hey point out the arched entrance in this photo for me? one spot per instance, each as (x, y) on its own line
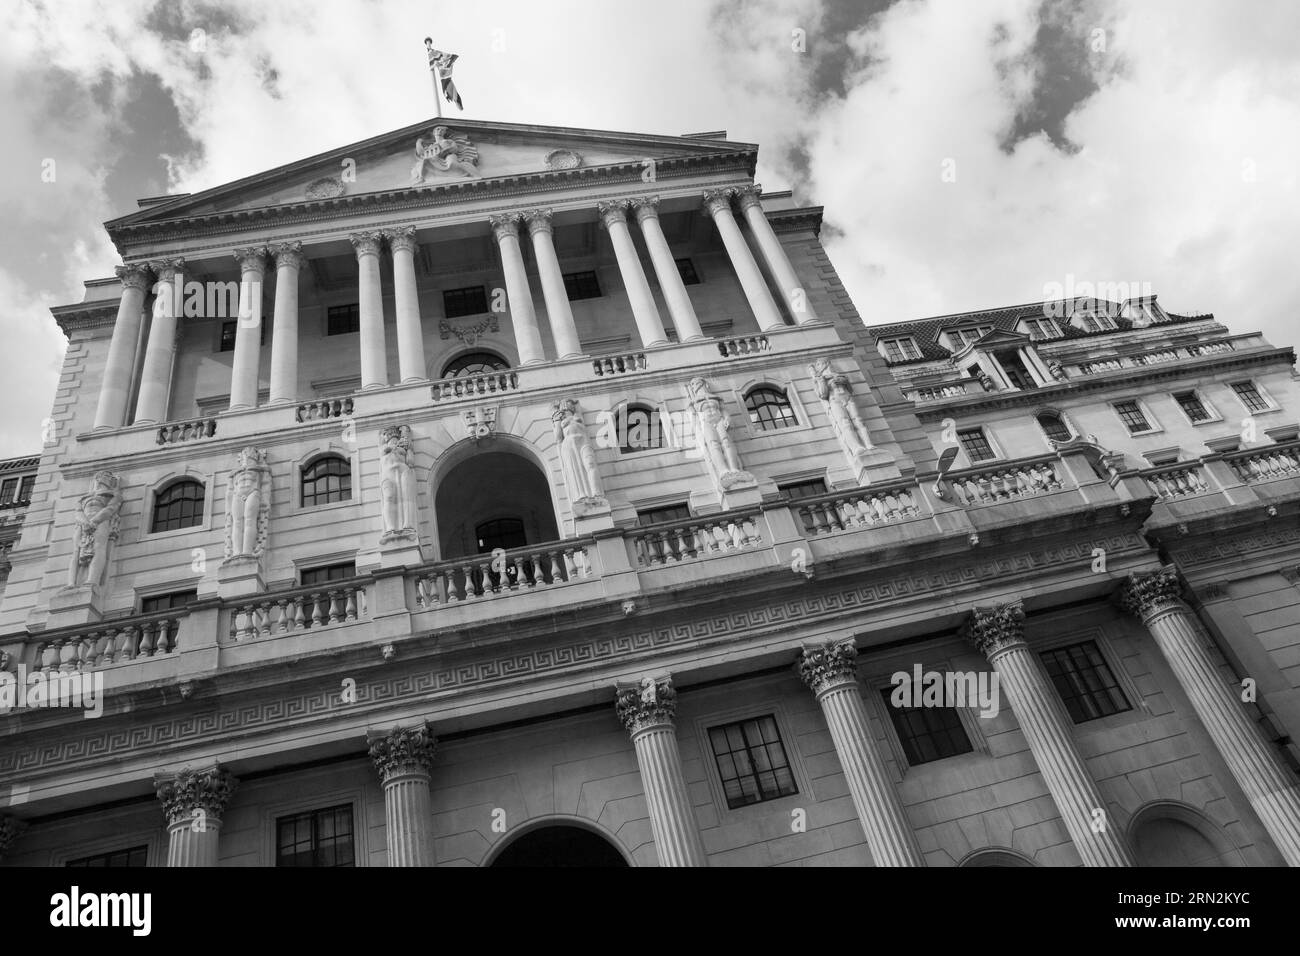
(496, 499)
(1171, 834)
(559, 845)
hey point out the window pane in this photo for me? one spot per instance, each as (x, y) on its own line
(976, 445)
(179, 505)
(316, 838)
(326, 480)
(752, 762)
(474, 363)
(769, 409)
(927, 733)
(468, 301)
(1084, 681)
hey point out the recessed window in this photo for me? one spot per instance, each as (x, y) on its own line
(327, 573)
(1040, 329)
(8, 491)
(316, 838)
(503, 533)
(342, 319)
(976, 444)
(639, 429)
(900, 350)
(132, 856)
(686, 269)
(964, 337)
(25, 489)
(229, 330)
(1134, 419)
(663, 514)
(581, 285)
(752, 762)
(326, 480)
(474, 363)
(803, 489)
(471, 300)
(1250, 397)
(1053, 426)
(769, 409)
(1094, 321)
(1193, 407)
(167, 602)
(1085, 682)
(179, 505)
(927, 733)
(1013, 366)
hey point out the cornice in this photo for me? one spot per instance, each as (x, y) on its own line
(796, 220)
(81, 318)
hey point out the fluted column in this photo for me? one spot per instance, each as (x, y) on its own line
(10, 829)
(557, 299)
(406, 303)
(156, 371)
(670, 279)
(116, 383)
(1156, 599)
(778, 263)
(404, 759)
(717, 202)
(613, 216)
(830, 671)
(998, 633)
(194, 802)
(370, 298)
(523, 317)
(284, 333)
(647, 710)
(248, 330)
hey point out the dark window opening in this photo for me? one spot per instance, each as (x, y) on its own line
(752, 762)
(471, 300)
(1250, 397)
(179, 505)
(976, 445)
(1192, 407)
(1053, 426)
(927, 733)
(474, 363)
(133, 856)
(342, 319)
(327, 573)
(1131, 415)
(1085, 682)
(326, 480)
(167, 602)
(581, 285)
(229, 330)
(639, 429)
(664, 513)
(686, 269)
(1014, 369)
(316, 838)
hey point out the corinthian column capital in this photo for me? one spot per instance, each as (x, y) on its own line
(823, 666)
(366, 243)
(166, 269)
(207, 790)
(134, 275)
(403, 751)
(506, 224)
(747, 196)
(1145, 594)
(401, 239)
(997, 628)
(252, 259)
(612, 211)
(287, 254)
(646, 207)
(718, 200)
(649, 703)
(539, 220)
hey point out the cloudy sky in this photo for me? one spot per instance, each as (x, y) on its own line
(969, 153)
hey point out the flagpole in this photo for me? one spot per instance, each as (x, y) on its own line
(433, 75)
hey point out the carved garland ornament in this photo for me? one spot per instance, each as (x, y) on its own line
(649, 704)
(1145, 594)
(208, 790)
(994, 629)
(825, 666)
(404, 751)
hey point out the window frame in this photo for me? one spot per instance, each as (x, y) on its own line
(876, 677)
(205, 514)
(986, 432)
(1060, 417)
(1057, 649)
(578, 278)
(1264, 396)
(903, 743)
(354, 310)
(657, 414)
(1212, 413)
(690, 264)
(300, 478)
(481, 289)
(170, 593)
(957, 336)
(1030, 323)
(234, 323)
(1152, 421)
(303, 570)
(9, 490)
(468, 353)
(327, 796)
(1138, 710)
(642, 512)
(770, 702)
(786, 391)
(904, 357)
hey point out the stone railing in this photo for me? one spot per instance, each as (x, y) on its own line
(482, 576)
(933, 393)
(1155, 358)
(178, 433)
(1101, 365)
(489, 383)
(324, 409)
(685, 540)
(302, 609)
(1266, 464)
(848, 511)
(744, 345)
(1005, 482)
(1210, 348)
(618, 364)
(107, 643)
(1170, 482)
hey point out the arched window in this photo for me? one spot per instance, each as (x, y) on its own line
(179, 505)
(769, 409)
(326, 480)
(1053, 426)
(639, 428)
(474, 363)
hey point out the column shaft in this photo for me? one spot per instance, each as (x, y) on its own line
(116, 383)
(523, 317)
(408, 811)
(680, 309)
(650, 326)
(284, 333)
(374, 350)
(156, 372)
(558, 312)
(248, 330)
(672, 820)
(406, 303)
(718, 204)
(189, 847)
(194, 802)
(778, 263)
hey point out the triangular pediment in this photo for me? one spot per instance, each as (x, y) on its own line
(1000, 337)
(435, 153)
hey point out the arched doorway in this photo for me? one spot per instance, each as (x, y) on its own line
(560, 845)
(1170, 834)
(496, 499)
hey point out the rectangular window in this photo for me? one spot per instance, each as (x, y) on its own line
(660, 515)
(1131, 415)
(752, 761)
(1193, 407)
(316, 838)
(167, 602)
(803, 489)
(8, 491)
(965, 337)
(330, 572)
(581, 285)
(901, 350)
(1250, 397)
(927, 733)
(134, 856)
(468, 301)
(686, 269)
(342, 319)
(1014, 369)
(1042, 329)
(25, 489)
(1086, 685)
(975, 444)
(230, 329)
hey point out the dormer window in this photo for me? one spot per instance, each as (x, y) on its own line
(960, 338)
(1090, 320)
(1040, 329)
(1146, 313)
(900, 350)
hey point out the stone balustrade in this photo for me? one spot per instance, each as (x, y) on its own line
(934, 393)
(287, 612)
(619, 364)
(1177, 481)
(324, 409)
(482, 576)
(469, 386)
(1210, 348)
(178, 433)
(827, 514)
(687, 540)
(100, 645)
(744, 345)
(1005, 482)
(1266, 464)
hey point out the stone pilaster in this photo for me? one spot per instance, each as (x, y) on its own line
(998, 633)
(119, 368)
(613, 216)
(284, 333)
(717, 203)
(647, 710)
(523, 317)
(194, 802)
(404, 759)
(370, 309)
(1156, 600)
(830, 671)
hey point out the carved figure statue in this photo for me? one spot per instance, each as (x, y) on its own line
(397, 483)
(713, 439)
(248, 505)
(577, 457)
(97, 521)
(445, 151)
(836, 393)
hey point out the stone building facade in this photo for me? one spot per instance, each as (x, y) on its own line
(493, 494)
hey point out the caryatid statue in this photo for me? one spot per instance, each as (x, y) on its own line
(577, 457)
(836, 393)
(248, 505)
(713, 438)
(397, 483)
(98, 519)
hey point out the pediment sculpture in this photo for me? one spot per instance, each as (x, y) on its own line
(444, 151)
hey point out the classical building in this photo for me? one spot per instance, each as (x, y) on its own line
(17, 478)
(493, 494)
